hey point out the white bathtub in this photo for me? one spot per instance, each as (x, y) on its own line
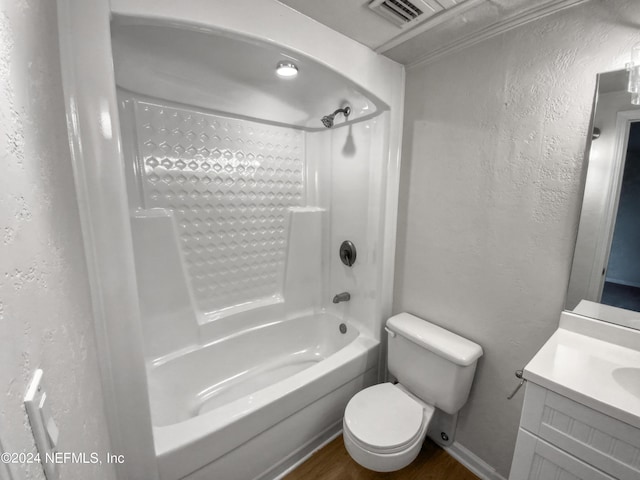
(279, 384)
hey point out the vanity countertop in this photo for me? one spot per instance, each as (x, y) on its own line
(593, 363)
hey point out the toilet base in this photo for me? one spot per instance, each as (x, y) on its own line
(381, 462)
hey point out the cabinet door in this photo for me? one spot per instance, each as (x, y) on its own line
(602, 441)
(536, 459)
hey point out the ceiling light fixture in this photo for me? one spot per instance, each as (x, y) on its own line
(286, 69)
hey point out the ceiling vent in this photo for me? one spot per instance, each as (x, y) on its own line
(399, 12)
(405, 12)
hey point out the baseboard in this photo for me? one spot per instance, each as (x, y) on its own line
(474, 463)
(301, 455)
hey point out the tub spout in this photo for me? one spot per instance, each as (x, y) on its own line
(342, 297)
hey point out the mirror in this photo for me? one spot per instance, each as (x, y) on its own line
(606, 263)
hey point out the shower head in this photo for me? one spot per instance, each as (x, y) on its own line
(327, 120)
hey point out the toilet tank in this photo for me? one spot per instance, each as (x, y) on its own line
(434, 364)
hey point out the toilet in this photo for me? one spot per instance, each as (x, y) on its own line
(385, 425)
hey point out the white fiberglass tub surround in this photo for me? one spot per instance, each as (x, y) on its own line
(238, 199)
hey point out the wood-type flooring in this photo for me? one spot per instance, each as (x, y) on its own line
(332, 462)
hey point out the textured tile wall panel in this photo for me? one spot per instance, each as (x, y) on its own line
(229, 183)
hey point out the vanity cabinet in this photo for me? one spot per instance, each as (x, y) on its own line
(560, 438)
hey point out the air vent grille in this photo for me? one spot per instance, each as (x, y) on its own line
(407, 13)
(399, 12)
(406, 10)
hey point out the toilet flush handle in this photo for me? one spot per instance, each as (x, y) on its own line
(391, 333)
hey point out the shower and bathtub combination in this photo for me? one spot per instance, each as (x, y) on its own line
(224, 155)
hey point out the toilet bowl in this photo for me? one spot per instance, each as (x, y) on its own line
(384, 427)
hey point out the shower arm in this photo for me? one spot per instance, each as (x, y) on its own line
(327, 120)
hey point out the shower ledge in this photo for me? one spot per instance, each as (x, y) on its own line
(243, 307)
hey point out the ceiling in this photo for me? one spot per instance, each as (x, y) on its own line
(459, 24)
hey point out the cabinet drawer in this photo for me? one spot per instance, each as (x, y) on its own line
(536, 459)
(599, 440)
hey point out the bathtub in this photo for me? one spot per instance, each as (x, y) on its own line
(283, 385)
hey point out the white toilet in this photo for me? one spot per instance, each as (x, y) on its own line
(384, 426)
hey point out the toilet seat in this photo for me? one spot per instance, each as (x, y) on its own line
(385, 419)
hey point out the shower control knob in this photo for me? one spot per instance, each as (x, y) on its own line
(348, 253)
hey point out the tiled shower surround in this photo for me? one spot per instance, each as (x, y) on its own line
(229, 184)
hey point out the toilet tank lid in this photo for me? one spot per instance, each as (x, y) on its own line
(442, 342)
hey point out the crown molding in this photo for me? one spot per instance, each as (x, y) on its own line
(495, 29)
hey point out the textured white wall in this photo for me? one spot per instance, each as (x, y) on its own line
(45, 311)
(492, 160)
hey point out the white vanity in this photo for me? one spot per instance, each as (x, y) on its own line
(581, 415)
